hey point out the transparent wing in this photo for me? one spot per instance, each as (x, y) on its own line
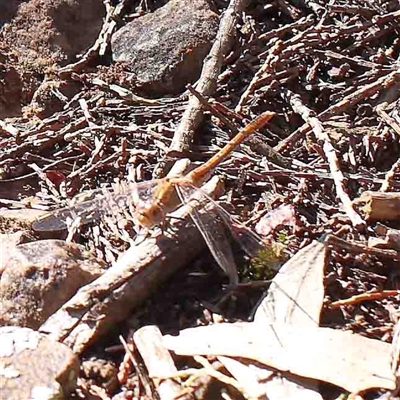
(250, 242)
(92, 205)
(207, 222)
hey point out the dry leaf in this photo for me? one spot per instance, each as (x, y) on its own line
(325, 354)
(295, 297)
(297, 292)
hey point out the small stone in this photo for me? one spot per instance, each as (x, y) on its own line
(8, 241)
(15, 220)
(47, 100)
(164, 50)
(39, 277)
(101, 372)
(32, 366)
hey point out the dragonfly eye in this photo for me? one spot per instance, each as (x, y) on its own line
(149, 216)
(143, 219)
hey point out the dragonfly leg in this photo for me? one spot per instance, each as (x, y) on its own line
(142, 235)
(168, 226)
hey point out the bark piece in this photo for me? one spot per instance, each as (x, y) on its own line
(380, 206)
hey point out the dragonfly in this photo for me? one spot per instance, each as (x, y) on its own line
(153, 200)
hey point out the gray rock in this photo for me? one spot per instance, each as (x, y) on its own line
(39, 277)
(165, 50)
(34, 367)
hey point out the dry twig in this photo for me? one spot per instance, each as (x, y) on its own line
(208, 80)
(330, 153)
(370, 296)
(349, 101)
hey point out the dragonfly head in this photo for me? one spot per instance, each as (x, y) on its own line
(149, 215)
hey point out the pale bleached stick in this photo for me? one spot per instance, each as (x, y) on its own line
(159, 362)
(347, 102)
(330, 153)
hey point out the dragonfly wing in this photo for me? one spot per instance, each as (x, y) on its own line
(211, 229)
(92, 205)
(250, 242)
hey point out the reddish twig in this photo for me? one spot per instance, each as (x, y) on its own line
(359, 298)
